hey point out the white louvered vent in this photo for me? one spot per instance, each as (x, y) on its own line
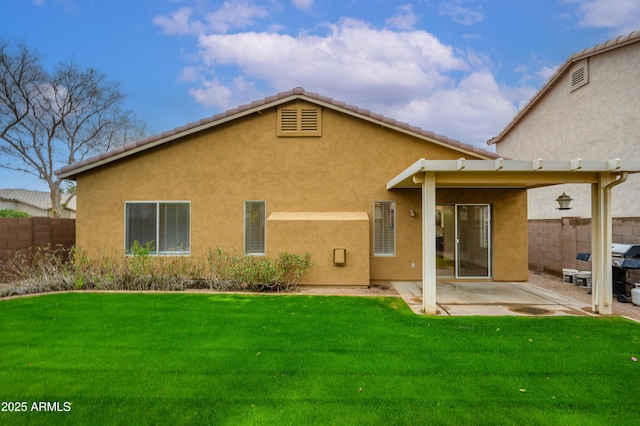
(579, 75)
(289, 120)
(309, 120)
(298, 120)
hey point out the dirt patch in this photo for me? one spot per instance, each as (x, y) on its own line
(528, 310)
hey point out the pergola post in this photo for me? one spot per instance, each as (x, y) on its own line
(429, 269)
(601, 239)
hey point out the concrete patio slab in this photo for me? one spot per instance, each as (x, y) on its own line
(492, 299)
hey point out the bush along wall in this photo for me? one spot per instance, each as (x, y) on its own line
(44, 270)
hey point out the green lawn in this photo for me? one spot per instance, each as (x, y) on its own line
(241, 359)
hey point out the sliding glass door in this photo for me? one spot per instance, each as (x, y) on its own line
(463, 240)
(474, 241)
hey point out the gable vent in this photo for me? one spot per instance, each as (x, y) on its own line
(309, 120)
(297, 120)
(289, 120)
(579, 75)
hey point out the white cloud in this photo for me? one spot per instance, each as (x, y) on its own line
(408, 75)
(547, 72)
(190, 74)
(212, 93)
(459, 13)
(215, 94)
(405, 19)
(305, 5)
(231, 15)
(178, 23)
(234, 14)
(476, 106)
(354, 58)
(621, 16)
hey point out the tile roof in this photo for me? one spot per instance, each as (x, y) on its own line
(70, 171)
(37, 199)
(615, 43)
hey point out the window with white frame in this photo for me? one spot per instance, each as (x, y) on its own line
(163, 225)
(384, 228)
(254, 227)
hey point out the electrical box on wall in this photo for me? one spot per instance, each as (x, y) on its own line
(339, 257)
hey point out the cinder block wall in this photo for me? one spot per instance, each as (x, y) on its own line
(23, 234)
(555, 243)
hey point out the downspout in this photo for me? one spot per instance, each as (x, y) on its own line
(622, 177)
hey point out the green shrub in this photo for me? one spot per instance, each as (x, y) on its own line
(13, 213)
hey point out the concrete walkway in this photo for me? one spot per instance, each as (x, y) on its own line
(492, 299)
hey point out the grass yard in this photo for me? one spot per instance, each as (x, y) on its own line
(179, 358)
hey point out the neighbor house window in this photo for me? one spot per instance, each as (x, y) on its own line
(384, 228)
(254, 227)
(165, 227)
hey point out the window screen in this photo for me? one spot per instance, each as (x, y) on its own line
(141, 224)
(165, 225)
(384, 228)
(254, 227)
(173, 227)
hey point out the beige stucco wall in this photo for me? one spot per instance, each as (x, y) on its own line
(600, 120)
(319, 234)
(344, 170)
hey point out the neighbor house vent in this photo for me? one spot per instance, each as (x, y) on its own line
(579, 75)
(299, 120)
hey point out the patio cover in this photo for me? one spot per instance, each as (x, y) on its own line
(603, 175)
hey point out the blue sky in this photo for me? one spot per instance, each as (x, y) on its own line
(461, 68)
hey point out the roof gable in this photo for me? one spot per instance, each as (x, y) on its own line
(565, 68)
(71, 171)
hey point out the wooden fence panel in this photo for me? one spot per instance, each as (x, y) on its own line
(18, 234)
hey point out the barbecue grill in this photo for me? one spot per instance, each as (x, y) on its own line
(623, 258)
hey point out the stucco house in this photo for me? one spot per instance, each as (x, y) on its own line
(589, 109)
(371, 199)
(36, 203)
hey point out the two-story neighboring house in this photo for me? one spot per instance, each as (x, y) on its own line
(590, 108)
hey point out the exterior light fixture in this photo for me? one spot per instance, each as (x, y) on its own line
(412, 213)
(563, 202)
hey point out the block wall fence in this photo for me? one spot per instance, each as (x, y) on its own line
(23, 234)
(555, 243)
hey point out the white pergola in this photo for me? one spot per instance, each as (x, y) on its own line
(525, 174)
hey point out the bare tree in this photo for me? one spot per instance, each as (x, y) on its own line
(52, 119)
